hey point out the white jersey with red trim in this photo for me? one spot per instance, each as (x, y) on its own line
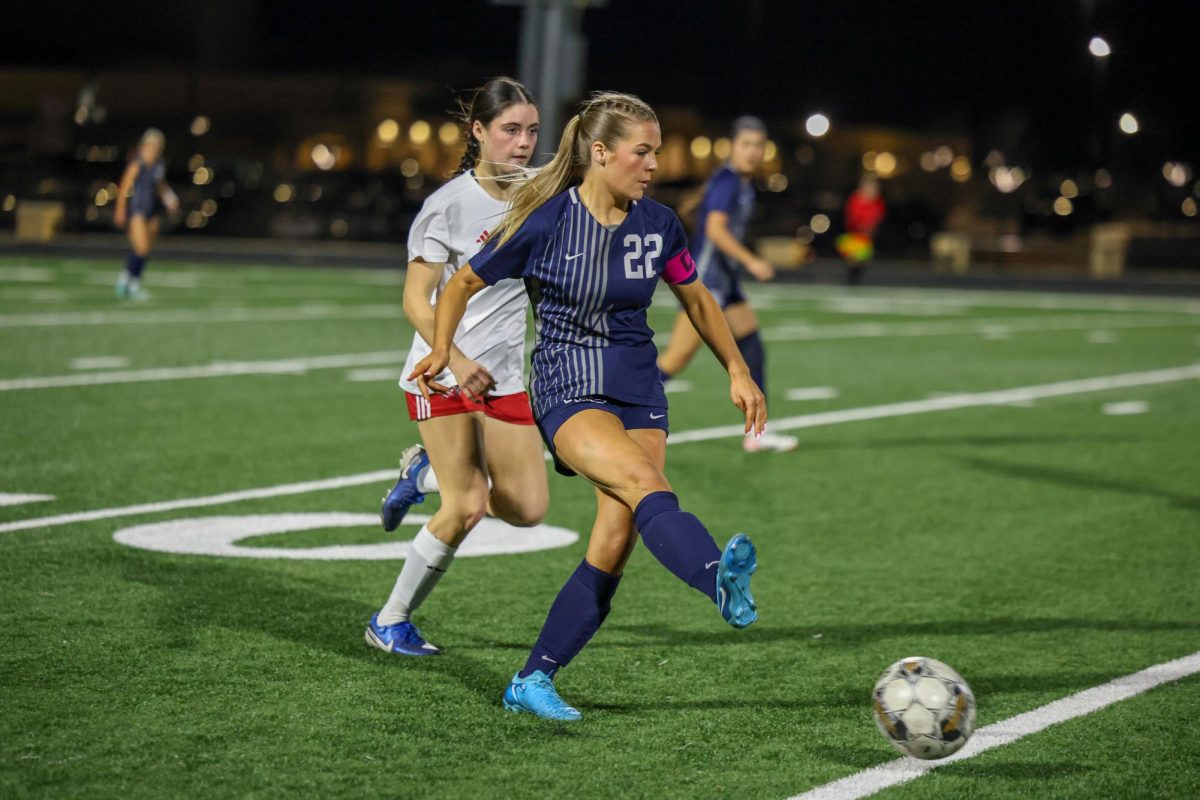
(450, 229)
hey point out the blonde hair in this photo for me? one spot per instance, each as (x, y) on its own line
(604, 117)
(153, 135)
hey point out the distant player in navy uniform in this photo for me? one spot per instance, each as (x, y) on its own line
(591, 249)
(141, 198)
(722, 219)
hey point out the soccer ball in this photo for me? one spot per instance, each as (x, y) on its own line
(924, 708)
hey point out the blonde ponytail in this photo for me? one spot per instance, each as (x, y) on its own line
(604, 117)
(546, 182)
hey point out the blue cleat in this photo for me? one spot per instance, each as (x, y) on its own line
(402, 639)
(537, 695)
(405, 493)
(738, 563)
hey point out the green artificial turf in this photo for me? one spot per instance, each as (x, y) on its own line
(1039, 550)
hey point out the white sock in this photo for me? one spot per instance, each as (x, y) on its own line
(427, 481)
(428, 559)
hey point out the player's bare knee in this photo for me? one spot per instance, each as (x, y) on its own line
(466, 512)
(645, 476)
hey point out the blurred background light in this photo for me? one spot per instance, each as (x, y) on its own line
(817, 125)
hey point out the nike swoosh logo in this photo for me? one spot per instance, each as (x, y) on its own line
(711, 564)
(657, 416)
(572, 258)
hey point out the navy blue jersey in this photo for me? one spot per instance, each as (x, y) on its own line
(728, 192)
(145, 199)
(590, 288)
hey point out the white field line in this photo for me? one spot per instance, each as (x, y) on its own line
(864, 330)
(1059, 301)
(372, 374)
(200, 502)
(952, 402)
(99, 362)
(308, 311)
(998, 327)
(893, 773)
(8, 499)
(812, 393)
(287, 366)
(703, 434)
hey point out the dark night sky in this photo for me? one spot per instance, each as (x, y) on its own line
(1014, 65)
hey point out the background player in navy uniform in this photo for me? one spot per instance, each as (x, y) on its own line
(591, 253)
(141, 197)
(484, 430)
(723, 215)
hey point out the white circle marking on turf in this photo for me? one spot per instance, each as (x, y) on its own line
(1126, 408)
(218, 536)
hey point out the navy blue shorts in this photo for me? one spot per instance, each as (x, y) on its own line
(633, 417)
(725, 285)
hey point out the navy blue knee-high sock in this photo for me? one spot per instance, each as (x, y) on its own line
(751, 347)
(134, 264)
(679, 541)
(577, 613)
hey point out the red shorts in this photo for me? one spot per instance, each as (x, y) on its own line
(512, 408)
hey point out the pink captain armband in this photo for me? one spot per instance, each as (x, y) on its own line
(680, 269)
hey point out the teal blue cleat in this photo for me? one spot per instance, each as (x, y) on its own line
(537, 695)
(738, 563)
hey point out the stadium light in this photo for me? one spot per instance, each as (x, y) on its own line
(1129, 124)
(1098, 47)
(817, 125)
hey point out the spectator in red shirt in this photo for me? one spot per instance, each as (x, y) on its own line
(864, 211)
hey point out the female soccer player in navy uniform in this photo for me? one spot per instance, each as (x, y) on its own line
(484, 430)
(141, 197)
(721, 254)
(591, 249)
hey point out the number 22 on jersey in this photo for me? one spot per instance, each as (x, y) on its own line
(651, 244)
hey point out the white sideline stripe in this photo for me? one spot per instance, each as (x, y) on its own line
(725, 431)
(200, 502)
(893, 773)
(312, 311)
(998, 327)
(21, 499)
(215, 370)
(990, 298)
(951, 402)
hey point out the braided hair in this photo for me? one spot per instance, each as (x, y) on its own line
(486, 103)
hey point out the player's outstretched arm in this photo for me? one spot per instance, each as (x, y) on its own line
(716, 229)
(420, 282)
(120, 217)
(708, 319)
(448, 313)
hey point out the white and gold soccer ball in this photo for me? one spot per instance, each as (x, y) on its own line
(924, 708)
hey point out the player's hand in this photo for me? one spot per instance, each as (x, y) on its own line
(760, 268)
(427, 370)
(473, 378)
(171, 201)
(749, 398)
(119, 219)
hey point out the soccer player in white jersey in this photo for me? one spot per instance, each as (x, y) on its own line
(591, 249)
(483, 431)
